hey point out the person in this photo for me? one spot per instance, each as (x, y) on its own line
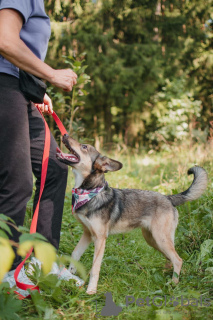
(24, 35)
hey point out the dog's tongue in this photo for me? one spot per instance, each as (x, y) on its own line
(67, 156)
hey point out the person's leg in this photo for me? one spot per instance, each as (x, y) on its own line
(52, 200)
(15, 164)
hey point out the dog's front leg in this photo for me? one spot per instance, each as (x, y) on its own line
(80, 248)
(98, 256)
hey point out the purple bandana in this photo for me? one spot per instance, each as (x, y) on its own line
(81, 196)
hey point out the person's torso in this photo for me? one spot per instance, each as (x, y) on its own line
(35, 31)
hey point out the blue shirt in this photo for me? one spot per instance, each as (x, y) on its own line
(35, 31)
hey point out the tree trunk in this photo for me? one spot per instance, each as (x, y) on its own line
(107, 123)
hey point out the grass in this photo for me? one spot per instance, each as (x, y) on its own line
(130, 267)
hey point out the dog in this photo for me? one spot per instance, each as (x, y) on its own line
(103, 210)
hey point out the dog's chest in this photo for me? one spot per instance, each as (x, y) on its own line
(95, 225)
(84, 220)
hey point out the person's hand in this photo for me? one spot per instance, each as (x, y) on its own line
(46, 107)
(64, 78)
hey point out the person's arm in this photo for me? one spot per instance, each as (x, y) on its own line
(14, 50)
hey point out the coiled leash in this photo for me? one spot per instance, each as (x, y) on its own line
(33, 226)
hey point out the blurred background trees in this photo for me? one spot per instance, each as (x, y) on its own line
(145, 69)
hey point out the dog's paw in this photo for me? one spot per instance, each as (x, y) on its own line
(91, 291)
(175, 278)
(72, 269)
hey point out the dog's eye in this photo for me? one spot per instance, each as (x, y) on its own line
(84, 146)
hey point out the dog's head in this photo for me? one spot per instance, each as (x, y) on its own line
(85, 160)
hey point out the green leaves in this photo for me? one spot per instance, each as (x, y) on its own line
(39, 302)
(9, 306)
(4, 220)
(5, 227)
(205, 255)
(31, 237)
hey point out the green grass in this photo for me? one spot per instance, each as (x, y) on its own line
(130, 266)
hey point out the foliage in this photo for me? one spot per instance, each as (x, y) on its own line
(78, 91)
(133, 50)
(43, 251)
(205, 256)
(72, 103)
(9, 306)
(6, 250)
(48, 283)
(175, 112)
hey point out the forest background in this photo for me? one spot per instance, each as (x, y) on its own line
(149, 70)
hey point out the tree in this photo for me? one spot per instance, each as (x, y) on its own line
(133, 48)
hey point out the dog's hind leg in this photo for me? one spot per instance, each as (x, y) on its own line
(80, 248)
(151, 241)
(163, 229)
(149, 238)
(167, 248)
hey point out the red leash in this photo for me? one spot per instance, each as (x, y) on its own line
(33, 226)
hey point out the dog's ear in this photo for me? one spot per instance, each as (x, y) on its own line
(105, 164)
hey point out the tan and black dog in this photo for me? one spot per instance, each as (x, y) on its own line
(113, 211)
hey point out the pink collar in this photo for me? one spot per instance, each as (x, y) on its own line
(82, 196)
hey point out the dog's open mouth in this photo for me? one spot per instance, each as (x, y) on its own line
(67, 158)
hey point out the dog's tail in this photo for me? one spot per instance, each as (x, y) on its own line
(196, 189)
